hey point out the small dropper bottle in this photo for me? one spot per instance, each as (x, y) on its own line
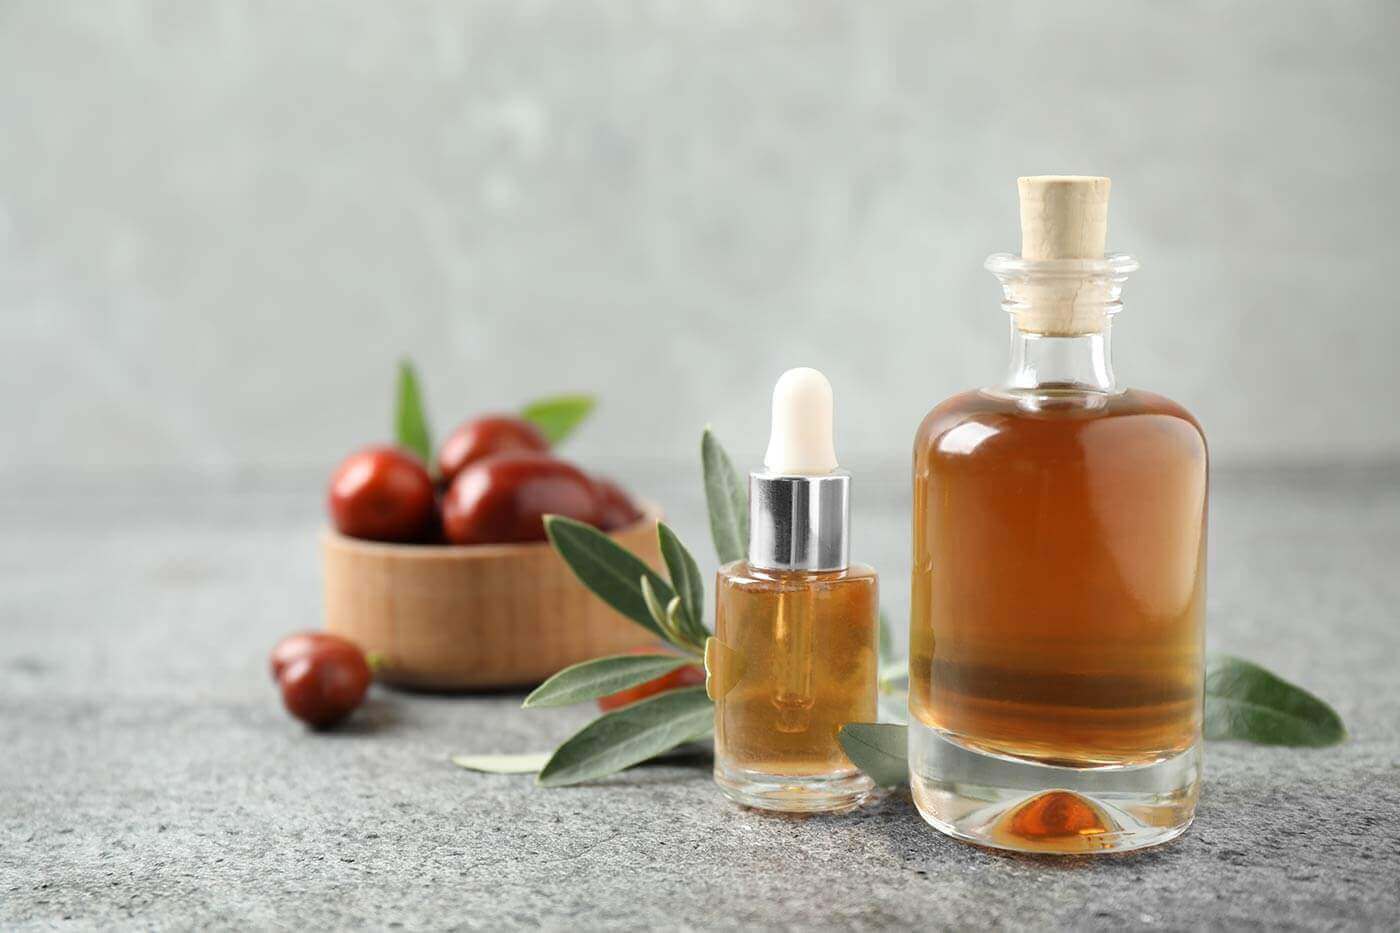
(797, 624)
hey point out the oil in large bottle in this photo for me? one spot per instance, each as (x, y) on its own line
(1058, 585)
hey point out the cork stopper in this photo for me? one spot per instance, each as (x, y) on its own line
(1063, 217)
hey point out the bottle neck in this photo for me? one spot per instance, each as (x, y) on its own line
(1061, 312)
(1081, 362)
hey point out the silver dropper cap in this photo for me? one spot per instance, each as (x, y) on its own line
(799, 522)
(799, 504)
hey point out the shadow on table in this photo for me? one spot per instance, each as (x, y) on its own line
(374, 716)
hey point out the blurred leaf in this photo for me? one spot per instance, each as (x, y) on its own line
(894, 691)
(410, 422)
(727, 496)
(894, 676)
(631, 735)
(558, 415)
(527, 763)
(602, 677)
(879, 749)
(612, 572)
(886, 638)
(1246, 702)
(687, 582)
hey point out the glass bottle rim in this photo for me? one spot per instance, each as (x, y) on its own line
(1113, 267)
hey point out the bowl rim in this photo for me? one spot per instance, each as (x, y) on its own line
(651, 515)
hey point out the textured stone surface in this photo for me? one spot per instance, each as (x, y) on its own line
(151, 780)
(198, 199)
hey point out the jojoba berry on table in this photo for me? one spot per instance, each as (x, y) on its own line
(382, 494)
(692, 675)
(302, 644)
(323, 677)
(483, 437)
(322, 689)
(615, 508)
(504, 499)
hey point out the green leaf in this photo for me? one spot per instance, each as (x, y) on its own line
(612, 572)
(602, 677)
(1248, 703)
(676, 619)
(659, 615)
(410, 423)
(893, 681)
(528, 763)
(894, 676)
(669, 619)
(879, 749)
(558, 415)
(727, 496)
(886, 638)
(625, 737)
(687, 582)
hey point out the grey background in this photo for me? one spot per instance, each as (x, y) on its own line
(222, 222)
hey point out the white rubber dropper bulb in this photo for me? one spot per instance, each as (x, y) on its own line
(801, 440)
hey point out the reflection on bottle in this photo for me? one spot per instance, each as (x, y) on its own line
(793, 657)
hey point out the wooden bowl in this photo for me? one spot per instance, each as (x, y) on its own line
(478, 617)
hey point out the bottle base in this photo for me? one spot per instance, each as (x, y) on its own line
(1025, 806)
(828, 793)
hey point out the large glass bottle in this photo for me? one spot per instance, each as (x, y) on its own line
(1058, 604)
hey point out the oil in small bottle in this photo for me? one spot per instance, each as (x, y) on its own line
(796, 628)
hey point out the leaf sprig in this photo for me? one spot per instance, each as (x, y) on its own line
(671, 607)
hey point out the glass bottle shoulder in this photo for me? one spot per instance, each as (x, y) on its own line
(984, 421)
(741, 575)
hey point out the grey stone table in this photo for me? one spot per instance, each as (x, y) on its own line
(150, 778)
